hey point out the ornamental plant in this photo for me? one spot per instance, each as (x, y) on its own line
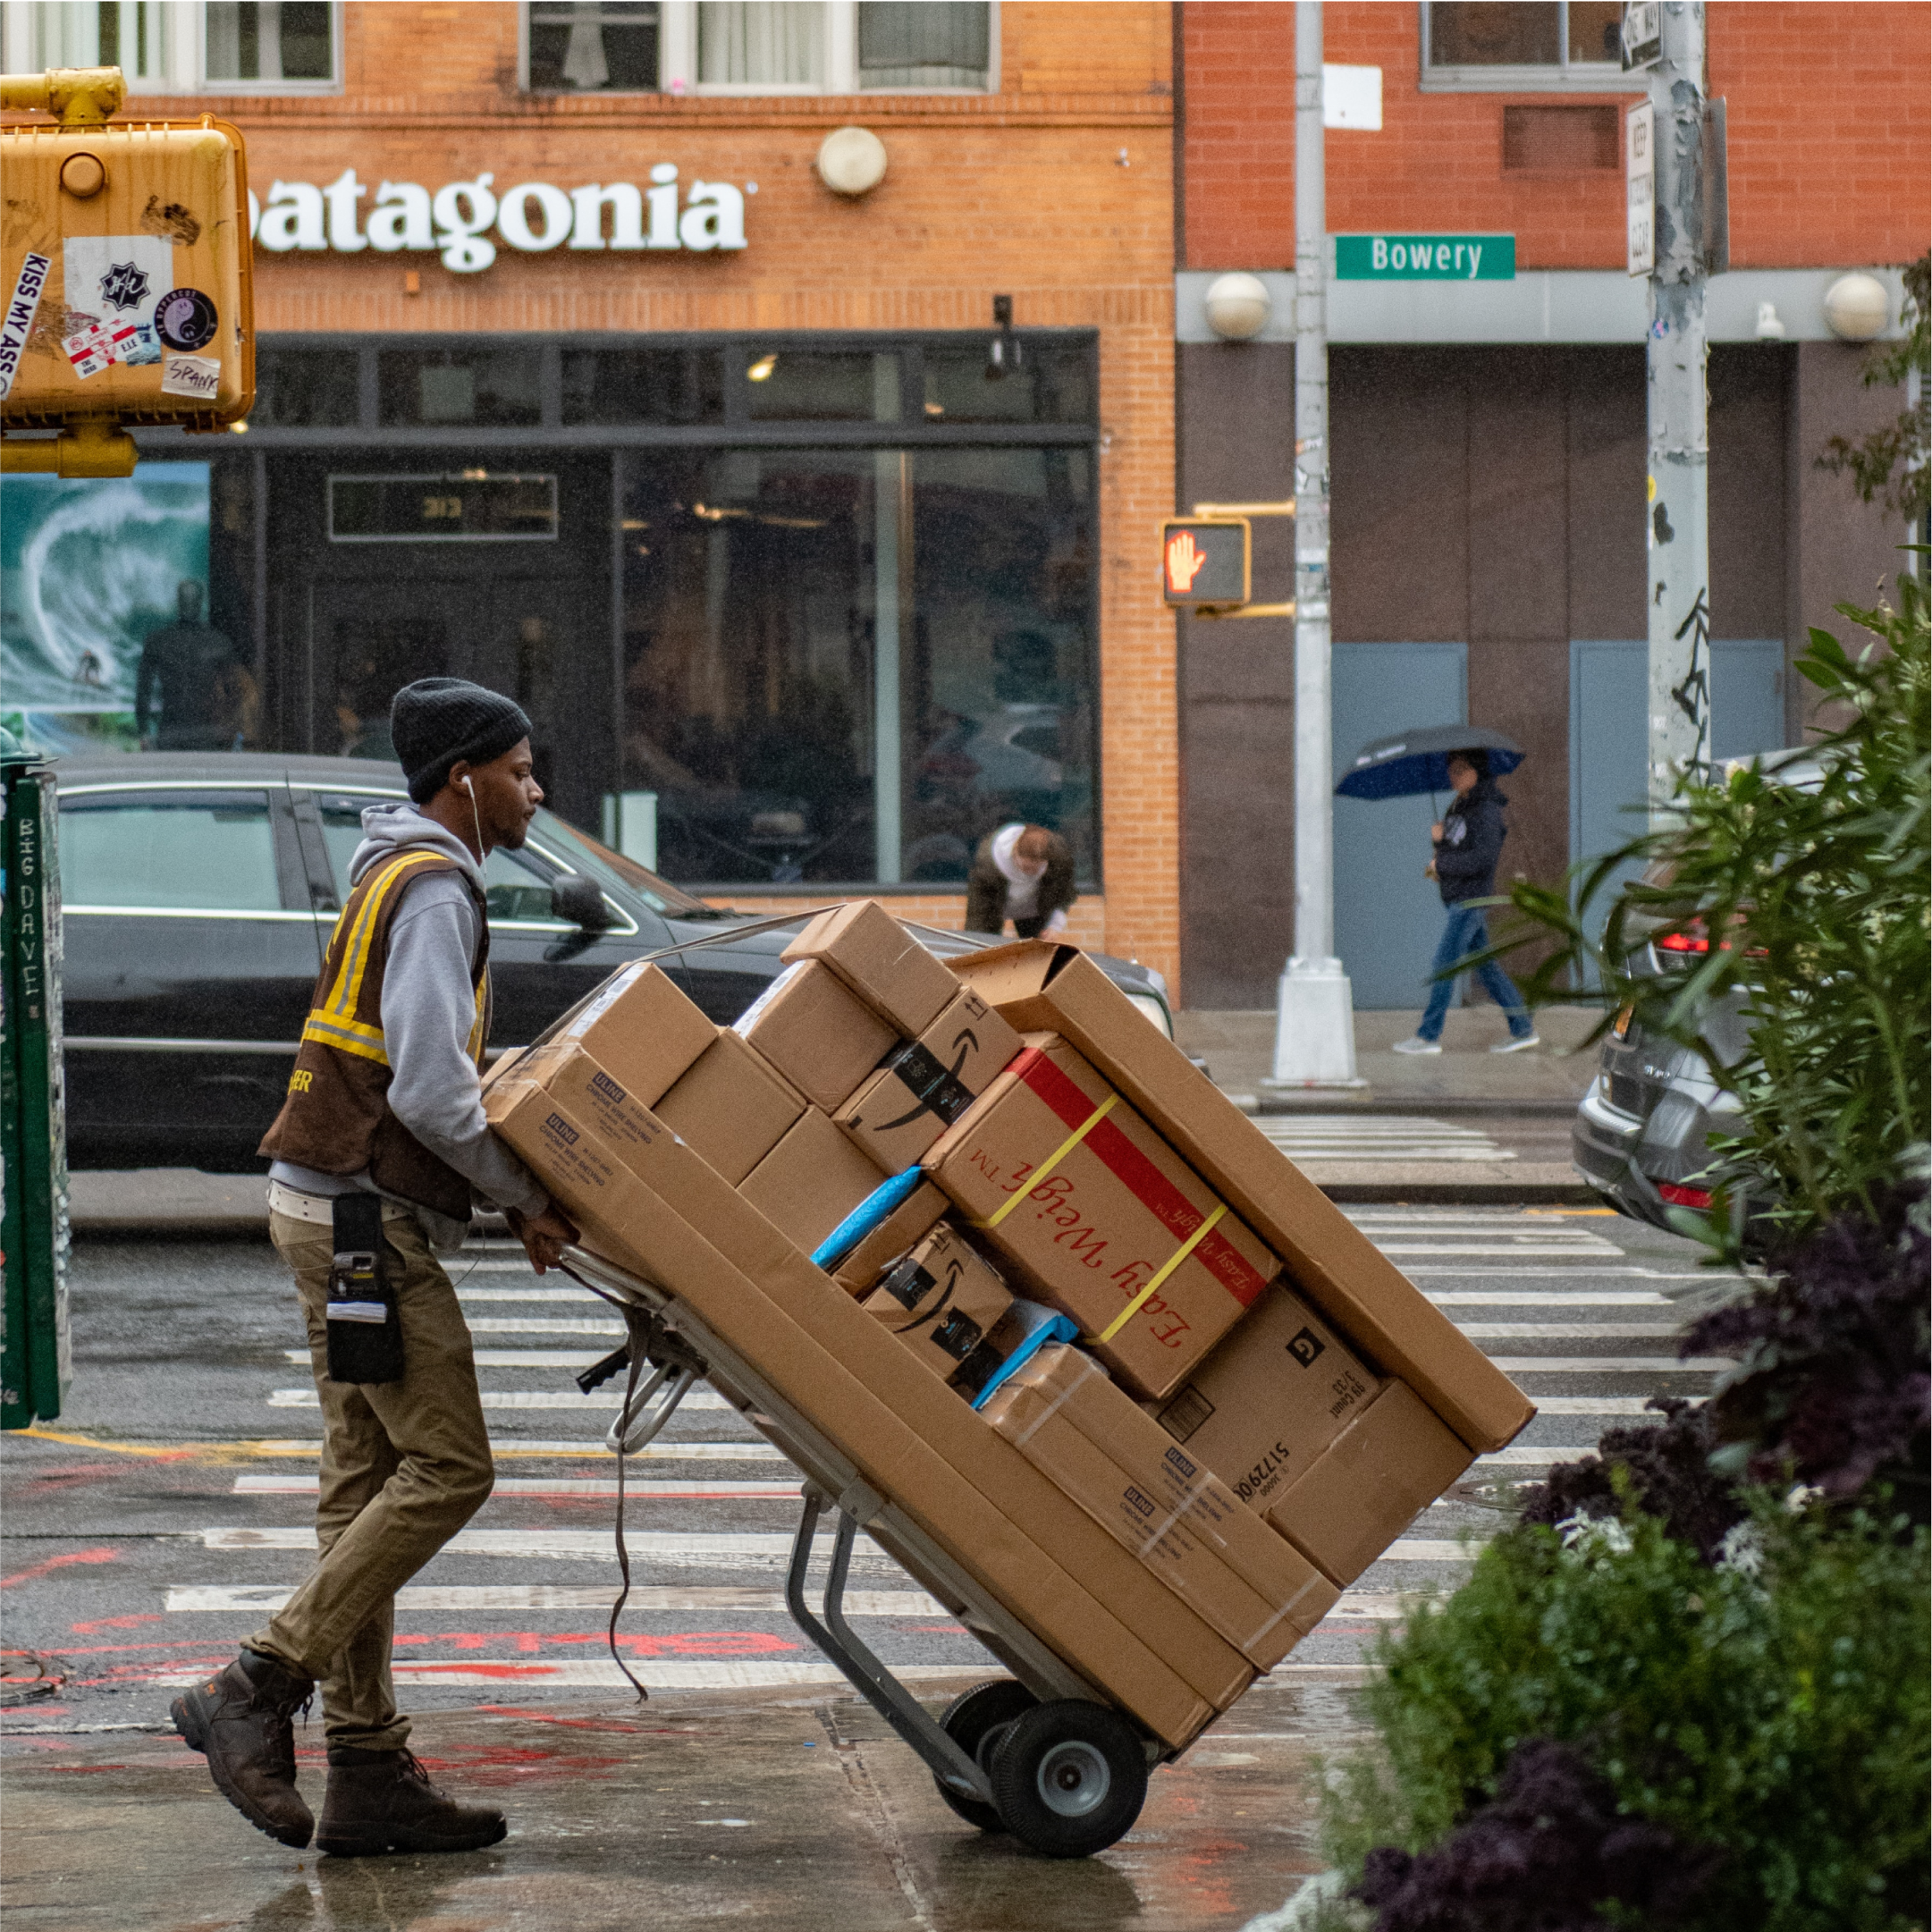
(1602, 1729)
(1802, 896)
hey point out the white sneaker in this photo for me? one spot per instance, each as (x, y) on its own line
(1418, 1045)
(1517, 1046)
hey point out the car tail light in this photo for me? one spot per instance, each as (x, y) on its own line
(1684, 942)
(1683, 1197)
(1620, 1025)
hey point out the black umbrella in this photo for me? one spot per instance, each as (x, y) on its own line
(1406, 764)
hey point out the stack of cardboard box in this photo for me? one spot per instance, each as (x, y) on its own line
(1258, 1403)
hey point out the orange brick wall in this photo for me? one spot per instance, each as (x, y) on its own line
(1058, 189)
(1829, 112)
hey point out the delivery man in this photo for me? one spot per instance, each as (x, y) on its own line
(383, 1129)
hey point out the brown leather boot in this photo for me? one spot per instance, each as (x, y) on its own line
(240, 1721)
(382, 1800)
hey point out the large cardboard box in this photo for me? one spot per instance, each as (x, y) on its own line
(1102, 1217)
(1270, 1398)
(640, 1027)
(1039, 985)
(811, 1180)
(732, 1107)
(1178, 1517)
(1002, 1520)
(927, 1083)
(943, 1301)
(881, 961)
(818, 1033)
(1395, 1459)
(898, 1233)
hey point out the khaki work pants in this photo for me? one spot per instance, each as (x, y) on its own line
(404, 1466)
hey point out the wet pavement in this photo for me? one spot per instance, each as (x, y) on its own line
(740, 1807)
(169, 1510)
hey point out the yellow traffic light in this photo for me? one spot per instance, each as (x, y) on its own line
(125, 290)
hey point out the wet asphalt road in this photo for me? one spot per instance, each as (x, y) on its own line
(159, 1519)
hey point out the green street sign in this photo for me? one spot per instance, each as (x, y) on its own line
(1394, 258)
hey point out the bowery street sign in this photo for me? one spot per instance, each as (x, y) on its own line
(1395, 257)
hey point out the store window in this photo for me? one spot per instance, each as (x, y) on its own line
(433, 388)
(735, 47)
(1516, 45)
(181, 46)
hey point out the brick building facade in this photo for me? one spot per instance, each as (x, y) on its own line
(832, 600)
(1489, 439)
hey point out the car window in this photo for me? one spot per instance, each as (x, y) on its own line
(516, 884)
(211, 851)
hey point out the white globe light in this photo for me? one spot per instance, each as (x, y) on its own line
(1239, 307)
(1858, 308)
(851, 161)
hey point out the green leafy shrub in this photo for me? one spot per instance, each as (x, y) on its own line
(1812, 901)
(1771, 1709)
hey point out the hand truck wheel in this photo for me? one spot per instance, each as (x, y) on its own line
(976, 1720)
(1069, 1778)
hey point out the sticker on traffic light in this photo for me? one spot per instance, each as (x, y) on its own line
(1203, 561)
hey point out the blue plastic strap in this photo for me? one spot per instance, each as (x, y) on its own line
(865, 1217)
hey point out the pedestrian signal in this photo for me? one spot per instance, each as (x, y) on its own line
(125, 294)
(1203, 561)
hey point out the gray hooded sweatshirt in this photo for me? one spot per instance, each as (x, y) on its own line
(428, 1009)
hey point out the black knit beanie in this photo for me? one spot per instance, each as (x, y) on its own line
(437, 722)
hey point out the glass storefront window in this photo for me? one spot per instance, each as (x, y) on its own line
(643, 386)
(498, 388)
(1051, 384)
(821, 386)
(307, 389)
(852, 666)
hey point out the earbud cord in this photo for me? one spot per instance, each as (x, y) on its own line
(470, 785)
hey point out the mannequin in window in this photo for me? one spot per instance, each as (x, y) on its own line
(1024, 873)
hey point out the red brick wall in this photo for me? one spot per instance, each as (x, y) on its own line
(1058, 189)
(1830, 125)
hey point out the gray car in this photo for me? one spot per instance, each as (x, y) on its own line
(1642, 1132)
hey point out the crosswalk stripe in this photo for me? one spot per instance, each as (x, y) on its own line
(1474, 1249)
(686, 1549)
(1611, 1364)
(607, 1398)
(1550, 1274)
(543, 1325)
(671, 1449)
(269, 1598)
(1591, 1405)
(1548, 1298)
(1529, 1458)
(1606, 1332)
(465, 1293)
(511, 1358)
(636, 1486)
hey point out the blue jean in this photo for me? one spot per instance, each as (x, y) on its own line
(1466, 930)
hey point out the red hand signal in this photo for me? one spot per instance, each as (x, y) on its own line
(1186, 561)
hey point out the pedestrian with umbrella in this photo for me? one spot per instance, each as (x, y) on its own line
(1466, 760)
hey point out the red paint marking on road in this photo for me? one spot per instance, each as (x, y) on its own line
(59, 1563)
(588, 1724)
(114, 1622)
(687, 1643)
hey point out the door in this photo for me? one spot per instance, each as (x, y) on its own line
(1609, 682)
(1388, 917)
(190, 958)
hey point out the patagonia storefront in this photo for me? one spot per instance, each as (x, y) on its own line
(791, 459)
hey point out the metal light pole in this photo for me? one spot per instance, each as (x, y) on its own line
(1314, 1013)
(1678, 542)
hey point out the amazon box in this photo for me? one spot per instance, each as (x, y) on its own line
(1359, 1292)
(943, 1301)
(640, 1026)
(811, 1180)
(733, 1107)
(1259, 1593)
(665, 1214)
(1270, 1398)
(925, 1084)
(897, 1235)
(881, 961)
(1367, 1487)
(1100, 1217)
(819, 1034)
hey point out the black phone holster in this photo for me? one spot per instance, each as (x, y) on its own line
(365, 1329)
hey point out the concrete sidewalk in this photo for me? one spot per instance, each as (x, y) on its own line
(802, 1813)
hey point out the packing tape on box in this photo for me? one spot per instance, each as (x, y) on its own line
(1052, 1160)
(1173, 1262)
(1089, 1370)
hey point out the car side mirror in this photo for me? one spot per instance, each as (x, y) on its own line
(577, 899)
